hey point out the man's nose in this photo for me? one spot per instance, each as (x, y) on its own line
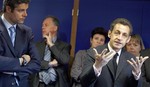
(25, 13)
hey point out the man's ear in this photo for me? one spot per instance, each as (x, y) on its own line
(8, 9)
(109, 33)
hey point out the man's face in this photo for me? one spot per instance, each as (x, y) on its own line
(18, 15)
(48, 26)
(119, 36)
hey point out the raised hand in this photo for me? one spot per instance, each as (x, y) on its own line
(137, 64)
(103, 58)
(48, 39)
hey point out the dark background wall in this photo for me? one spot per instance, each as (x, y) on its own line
(92, 13)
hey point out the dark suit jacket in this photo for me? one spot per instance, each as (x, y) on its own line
(60, 51)
(124, 77)
(146, 68)
(9, 55)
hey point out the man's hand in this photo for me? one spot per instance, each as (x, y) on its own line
(25, 59)
(103, 58)
(48, 39)
(137, 64)
(53, 63)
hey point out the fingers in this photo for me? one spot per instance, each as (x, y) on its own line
(95, 51)
(104, 51)
(110, 55)
(143, 59)
(137, 64)
(130, 62)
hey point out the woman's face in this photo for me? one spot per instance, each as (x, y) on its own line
(133, 46)
(97, 40)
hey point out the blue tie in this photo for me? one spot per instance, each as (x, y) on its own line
(47, 56)
(12, 37)
(12, 34)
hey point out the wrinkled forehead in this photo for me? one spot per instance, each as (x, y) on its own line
(122, 28)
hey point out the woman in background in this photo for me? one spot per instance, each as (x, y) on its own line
(135, 45)
(98, 37)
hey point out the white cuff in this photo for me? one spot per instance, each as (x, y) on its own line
(137, 77)
(97, 70)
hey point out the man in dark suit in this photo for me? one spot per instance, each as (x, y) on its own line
(146, 69)
(18, 54)
(59, 57)
(113, 67)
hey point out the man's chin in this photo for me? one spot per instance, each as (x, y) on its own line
(118, 47)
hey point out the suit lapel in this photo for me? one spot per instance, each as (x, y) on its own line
(111, 67)
(91, 53)
(6, 36)
(121, 65)
(41, 48)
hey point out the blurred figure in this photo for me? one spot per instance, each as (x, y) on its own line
(98, 37)
(54, 55)
(146, 69)
(135, 45)
(18, 55)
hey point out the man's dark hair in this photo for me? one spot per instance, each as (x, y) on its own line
(122, 21)
(12, 4)
(55, 20)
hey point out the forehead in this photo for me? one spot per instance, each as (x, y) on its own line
(134, 40)
(99, 35)
(122, 28)
(22, 6)
(48, 20)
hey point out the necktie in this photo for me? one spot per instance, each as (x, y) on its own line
(115, 63)
(12, 34)
(47, 56)
(12, 37)
(48, 75)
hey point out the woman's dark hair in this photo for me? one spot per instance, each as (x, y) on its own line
(99, 30)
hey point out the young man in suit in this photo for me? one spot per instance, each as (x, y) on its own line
(18, 54)
(58, 59)
(113, 67)
(146, 69)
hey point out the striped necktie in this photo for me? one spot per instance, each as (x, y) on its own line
(49, 75)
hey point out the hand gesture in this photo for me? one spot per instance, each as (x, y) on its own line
(137, 64)
(103, 58)
(48, 39)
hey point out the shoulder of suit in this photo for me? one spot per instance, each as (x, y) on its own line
(81, 52)
(22, 26)
(127, 55)
(62, 42)
(145, 52)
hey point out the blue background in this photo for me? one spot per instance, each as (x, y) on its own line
(92, 13)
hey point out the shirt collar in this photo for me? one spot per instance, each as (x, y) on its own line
(54, 39)
(6, 23)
